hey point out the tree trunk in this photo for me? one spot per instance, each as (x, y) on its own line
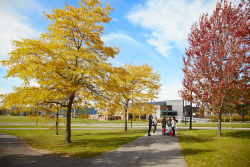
(219, 125)
(225, 117)
(57, 121)
(125, 127)
(230, 118)
(68, 128)
(243, 116)
(191, 114)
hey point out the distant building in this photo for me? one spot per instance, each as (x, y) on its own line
(78, 112)
(165, 109)
(169, 108)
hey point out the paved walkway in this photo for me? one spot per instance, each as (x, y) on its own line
(145, 151)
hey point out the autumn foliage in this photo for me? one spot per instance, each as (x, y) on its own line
(69, 64)
(217, 62)
(136, 87)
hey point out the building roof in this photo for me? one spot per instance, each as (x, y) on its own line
(157, 103)
(168, 111)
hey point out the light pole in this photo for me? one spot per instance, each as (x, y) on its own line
(132, 108)
(185, 112)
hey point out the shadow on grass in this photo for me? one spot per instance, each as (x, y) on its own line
(190, 138)
(117, 132)
(237, 134)
(195, 151)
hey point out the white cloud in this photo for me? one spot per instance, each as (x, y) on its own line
(169, 91)
(115, 19)
(3, 91)
(170, 20)
(161, 45)
(13, 24)
(145, 35)
(12, 80)
(118, 37)
(121, 38)
(118, 63)
(7, 84)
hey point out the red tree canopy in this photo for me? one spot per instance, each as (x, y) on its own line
(217, 63)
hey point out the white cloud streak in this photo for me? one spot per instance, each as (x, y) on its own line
(122, 39)
(13, 24)
(170, 21)
(118, 37)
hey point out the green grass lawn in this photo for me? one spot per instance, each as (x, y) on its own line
(16, 119)
(204, 148)
(85, 143)
(51, 126)
(225, 125)
(24, 119)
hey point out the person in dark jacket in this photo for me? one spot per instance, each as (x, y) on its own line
(163, 123)
(149, 123)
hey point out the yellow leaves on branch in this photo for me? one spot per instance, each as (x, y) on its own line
(70, 58)
(69, 64)
(137, 86)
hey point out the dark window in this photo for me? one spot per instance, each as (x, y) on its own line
(169, 108)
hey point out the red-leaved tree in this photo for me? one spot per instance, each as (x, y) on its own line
(217, 62)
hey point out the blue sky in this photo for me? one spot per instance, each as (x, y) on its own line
(146, 31)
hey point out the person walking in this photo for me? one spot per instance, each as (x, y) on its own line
(149, 123)
(173, 126)
(163, 123)
(155, 124)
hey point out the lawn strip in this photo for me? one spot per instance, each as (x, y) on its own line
(204, 148)
(225, 125)
(25, 119)
(51, 126)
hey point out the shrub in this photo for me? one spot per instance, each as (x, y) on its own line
(12, 113)
(159, 120)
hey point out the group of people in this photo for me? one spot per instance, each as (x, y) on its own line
(170, 122)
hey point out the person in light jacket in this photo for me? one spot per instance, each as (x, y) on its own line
(155, 124)
(173, 126)
(169, 124)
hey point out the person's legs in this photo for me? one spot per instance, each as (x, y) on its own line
(149, 129)
(154, 129)
(173, 130)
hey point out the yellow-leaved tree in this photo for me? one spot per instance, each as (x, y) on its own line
(68, 61)
(137, 87)
(16, 111)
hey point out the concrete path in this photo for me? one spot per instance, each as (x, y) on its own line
(145, 151)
